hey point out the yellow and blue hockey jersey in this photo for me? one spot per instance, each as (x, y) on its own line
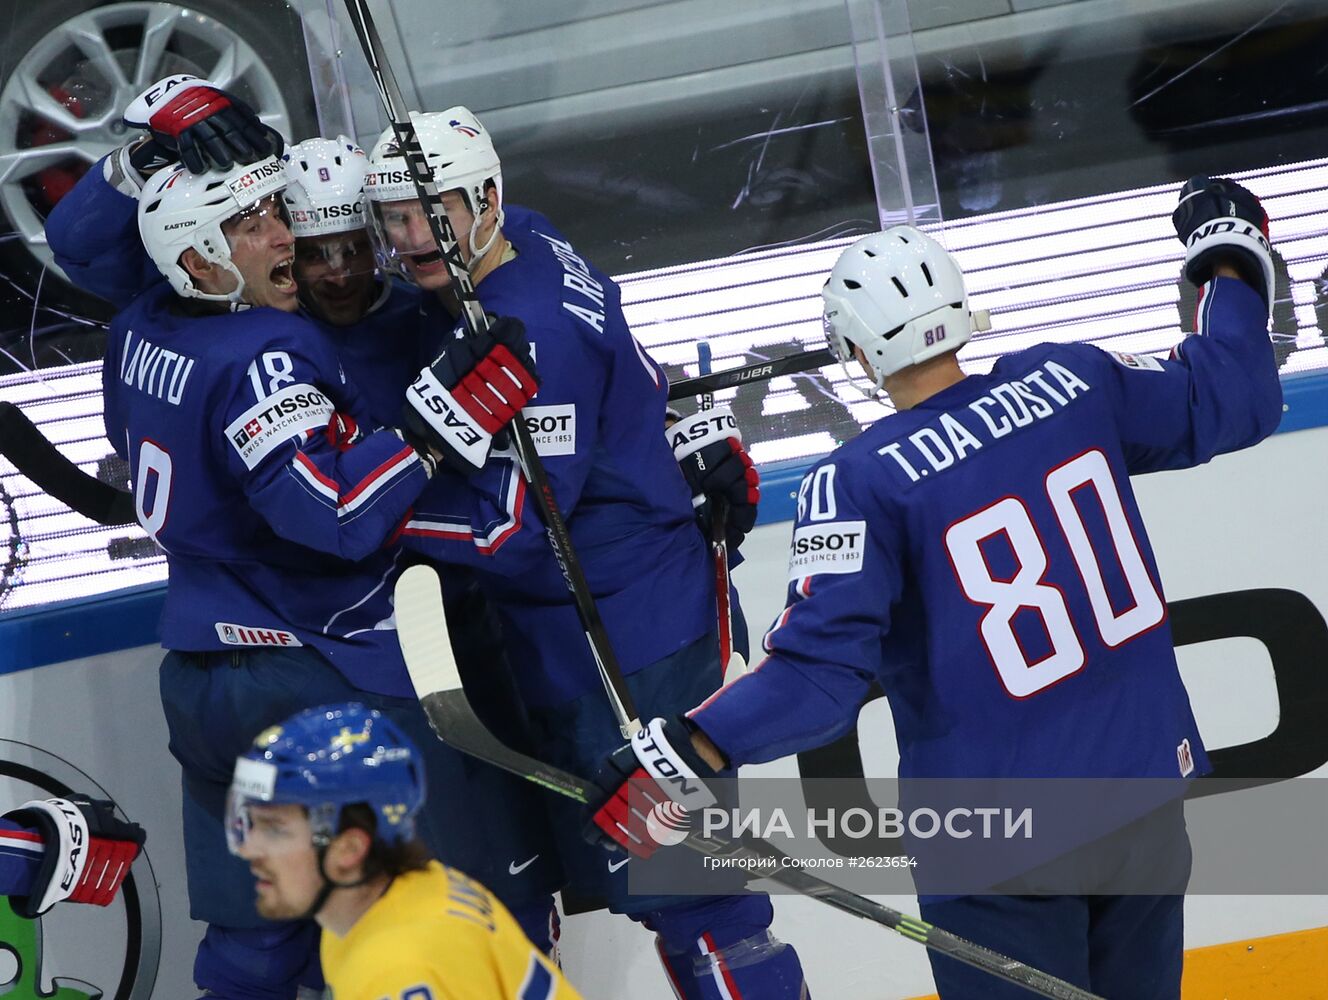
(438, 935)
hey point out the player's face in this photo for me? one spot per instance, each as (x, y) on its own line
(278, 845)
(335, 274)
(407, 228)
(263, 250)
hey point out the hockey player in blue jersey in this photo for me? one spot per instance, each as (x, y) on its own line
(255, 469)
(596, 423)
(70, 849)
(981, 555)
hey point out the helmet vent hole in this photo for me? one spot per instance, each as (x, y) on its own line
(890, 334)
(927, 274)
(850, 283)
(900, 285)
(868, 252)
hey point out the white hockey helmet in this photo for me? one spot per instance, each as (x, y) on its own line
(900, 297)
(325, 186)
(460, 153)
(178, 210)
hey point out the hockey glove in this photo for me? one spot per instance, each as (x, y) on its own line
(471, 392)
(651, 787)
(708, 449)
(1216, 219)
(88, 852)
(202, 126)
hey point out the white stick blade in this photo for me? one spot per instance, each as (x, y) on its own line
(422, 632)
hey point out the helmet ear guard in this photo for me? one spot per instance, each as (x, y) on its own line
(899, 297)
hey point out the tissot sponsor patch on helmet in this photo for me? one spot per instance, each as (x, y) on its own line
(552, 428)
(1139, 362)
(254, 778)
(262, 179)
(272, 421)
(831, 547)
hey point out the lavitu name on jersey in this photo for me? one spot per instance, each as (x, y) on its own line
(1006, 408)
(831, 547)
(276, 419)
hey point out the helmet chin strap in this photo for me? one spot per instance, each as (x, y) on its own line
(476, 252)
(324, 891)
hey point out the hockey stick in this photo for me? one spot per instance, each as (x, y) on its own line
(620, 698)
(719, 546)
(35, 457)
(422, 630)
(791, 364)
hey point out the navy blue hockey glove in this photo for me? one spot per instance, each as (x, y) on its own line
(708, 449)
(653, 792)
(1217, 219)
(87, 853)
(202, 126)
(471, 392)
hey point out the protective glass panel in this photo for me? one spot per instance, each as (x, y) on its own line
(714, 158)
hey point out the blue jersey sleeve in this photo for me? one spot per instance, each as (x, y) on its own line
(491, 519)
(1219, 391)
(824, 650)
(21, 852)
(93, 234)
(307, 466)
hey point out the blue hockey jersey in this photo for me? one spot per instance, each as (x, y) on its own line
(598, 424)
(252, 470)
(983, 557)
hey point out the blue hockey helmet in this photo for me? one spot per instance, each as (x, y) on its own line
(326, 758)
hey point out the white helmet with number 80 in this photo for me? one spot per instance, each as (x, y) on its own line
(900, 297)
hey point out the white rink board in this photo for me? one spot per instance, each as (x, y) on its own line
(102, 717)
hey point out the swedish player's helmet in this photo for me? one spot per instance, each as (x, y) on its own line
(324, 759)
(900, 297)
(460, 153)
(325, 186)
(179, 210)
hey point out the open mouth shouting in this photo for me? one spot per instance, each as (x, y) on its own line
(281, 277)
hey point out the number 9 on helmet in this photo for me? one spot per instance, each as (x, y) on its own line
(325, 759)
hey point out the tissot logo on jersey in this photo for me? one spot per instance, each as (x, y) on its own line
(276, 419)
(831, 547)
(1137, 362)
(552, 428)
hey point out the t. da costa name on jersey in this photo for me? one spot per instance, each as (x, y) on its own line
(552, 428)
(830, 547)
(272, 421)
(955, 435)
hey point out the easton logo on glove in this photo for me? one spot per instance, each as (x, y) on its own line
(471, 392)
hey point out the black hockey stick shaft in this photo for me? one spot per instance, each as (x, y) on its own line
(719, 547)
(761, 371)
(532, 467)
(56, 476)
(426, 646)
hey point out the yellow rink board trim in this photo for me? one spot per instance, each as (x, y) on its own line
(1292, 966)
